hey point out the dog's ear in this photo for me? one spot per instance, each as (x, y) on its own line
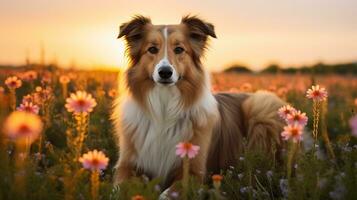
(133, 29)
(198, 32)
(133, 32)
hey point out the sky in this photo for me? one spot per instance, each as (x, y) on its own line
(254, 33)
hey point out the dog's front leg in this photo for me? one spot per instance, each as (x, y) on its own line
(124, 168)
(197, 167)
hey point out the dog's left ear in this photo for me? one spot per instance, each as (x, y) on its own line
(198, 32)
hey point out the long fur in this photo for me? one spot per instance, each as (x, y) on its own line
(152, 118)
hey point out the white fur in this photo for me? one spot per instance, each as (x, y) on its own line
(165, 62)
(158, 131)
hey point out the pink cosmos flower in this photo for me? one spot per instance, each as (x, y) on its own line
(94, 160)
(186, 148)
(285, 111)
(317, 93)
(80, 102)
(13, 82)
(23, 125)
(297, 117)
(29, 75)
(353, 124)
(28, 107)
(293, 131)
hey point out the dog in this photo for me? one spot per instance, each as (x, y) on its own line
(169, 100)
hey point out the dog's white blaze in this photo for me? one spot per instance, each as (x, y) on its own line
(165, 37)
(165, 61)
(157, 132)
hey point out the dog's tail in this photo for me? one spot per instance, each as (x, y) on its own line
(263, 125)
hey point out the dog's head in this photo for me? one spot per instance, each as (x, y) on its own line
(165, 55)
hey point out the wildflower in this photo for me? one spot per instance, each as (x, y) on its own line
(46, 78)
(186, 148)
(284, 187)
(94, 160)
(298, 118)
(2, 90)
(137, 197)
(13, 82)
(246, 87)
(42, 95)
(353, 124)
(174, 195)
(29, 75)
(23, 125)
(64, 79)
(269, 174)
(27, 98)
(28, 107)
(317, 93)
(282, 92)
(293, 131)
(80, 102)
(217, 181)
(355, 101)
(285, 111)
(113, 93)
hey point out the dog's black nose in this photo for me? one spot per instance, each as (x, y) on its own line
(165, 72)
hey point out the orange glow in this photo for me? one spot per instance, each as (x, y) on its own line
(249, 32)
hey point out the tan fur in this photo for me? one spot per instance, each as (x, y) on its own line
(217, 124)
(245, 115)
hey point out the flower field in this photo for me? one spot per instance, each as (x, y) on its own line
(57, 140)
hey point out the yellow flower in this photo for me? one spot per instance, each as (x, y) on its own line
(94, 160)
(137, 197)
(80, 102)
(13, 82)
(23, 125)
(64, 79)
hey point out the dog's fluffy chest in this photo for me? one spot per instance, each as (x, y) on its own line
(157, 132)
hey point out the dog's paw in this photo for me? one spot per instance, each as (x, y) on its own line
(165, 195)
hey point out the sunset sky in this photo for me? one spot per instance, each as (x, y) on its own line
(253, 33)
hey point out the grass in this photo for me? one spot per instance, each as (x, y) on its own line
(52, 172)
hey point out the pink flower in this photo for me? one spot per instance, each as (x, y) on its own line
(317, 93)
(29, 75)
(285, 111)
(28, 107)
(293, 131)
(297, 117)
(80, 102)
(94, 160)
(23, 125)
(353, 124)
(13, 82)
(186, 148)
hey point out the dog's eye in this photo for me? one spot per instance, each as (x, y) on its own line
(153, 50)
(178, 50)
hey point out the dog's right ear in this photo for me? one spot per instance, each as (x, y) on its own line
(133, 30)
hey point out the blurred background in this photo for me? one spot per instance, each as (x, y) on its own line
(253, 34)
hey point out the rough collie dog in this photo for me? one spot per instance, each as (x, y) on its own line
(169, 101)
